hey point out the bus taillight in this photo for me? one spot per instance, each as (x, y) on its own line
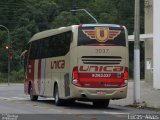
(125, 77)
(75, 77)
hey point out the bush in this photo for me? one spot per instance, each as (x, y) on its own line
(17, 76)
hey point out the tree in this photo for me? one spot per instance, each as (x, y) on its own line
(26, 17)
(65, 19)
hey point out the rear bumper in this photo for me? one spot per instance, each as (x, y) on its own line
(98, 93)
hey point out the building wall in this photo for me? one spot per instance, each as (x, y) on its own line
(148, 42)
(156, 44)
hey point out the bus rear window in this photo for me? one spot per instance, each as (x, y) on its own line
(101, 36)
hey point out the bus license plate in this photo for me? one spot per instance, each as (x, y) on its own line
(101, 92)
(101, 75)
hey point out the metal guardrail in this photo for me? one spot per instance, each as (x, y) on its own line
(142, 37)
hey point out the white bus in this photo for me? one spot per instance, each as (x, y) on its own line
(80, 62)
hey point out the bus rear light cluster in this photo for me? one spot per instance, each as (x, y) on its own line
(125, 77)
(75, 76)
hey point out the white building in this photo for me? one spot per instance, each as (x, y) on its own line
(152, 45)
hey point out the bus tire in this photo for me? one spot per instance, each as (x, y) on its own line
(32, 97)
(58, 101)
(101, 103)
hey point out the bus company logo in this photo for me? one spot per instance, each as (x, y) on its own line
(102, 34)
(101, 68)
(58, 64)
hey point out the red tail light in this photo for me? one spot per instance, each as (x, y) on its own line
(75, 73)
(75, 77)
(125, 77)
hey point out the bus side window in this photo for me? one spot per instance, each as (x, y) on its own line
(68, 40)
(46, 48)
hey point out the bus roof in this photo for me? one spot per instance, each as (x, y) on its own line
(51, 32)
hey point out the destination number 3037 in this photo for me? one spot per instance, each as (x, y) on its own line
(101, 50)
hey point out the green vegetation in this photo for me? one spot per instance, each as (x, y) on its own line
(15, 77)
(24, 18)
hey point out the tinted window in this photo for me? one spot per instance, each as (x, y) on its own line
(57, 45)
(112, 36)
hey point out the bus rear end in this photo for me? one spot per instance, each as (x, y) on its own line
(101, 72)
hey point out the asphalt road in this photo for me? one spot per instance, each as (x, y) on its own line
(15, 105)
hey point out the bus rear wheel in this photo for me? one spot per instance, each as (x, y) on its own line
(101, 103)
(58, 101)
(32, 97)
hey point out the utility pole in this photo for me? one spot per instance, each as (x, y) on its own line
(137, 53)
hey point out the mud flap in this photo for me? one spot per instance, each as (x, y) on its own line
(66, 85)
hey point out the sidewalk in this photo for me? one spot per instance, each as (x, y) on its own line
(13, 84)
(149, 96)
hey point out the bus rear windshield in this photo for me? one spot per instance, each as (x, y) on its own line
(101, 36)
